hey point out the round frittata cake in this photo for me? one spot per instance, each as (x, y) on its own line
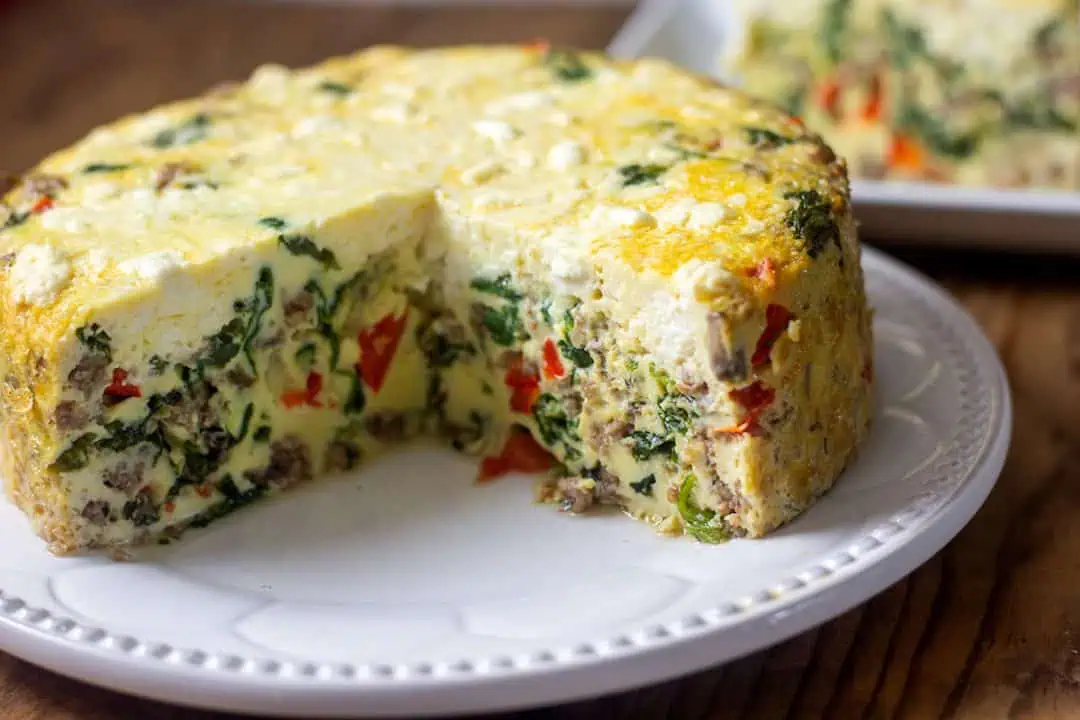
(619, 273)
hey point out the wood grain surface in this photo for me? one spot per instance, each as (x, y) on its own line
(987, 629)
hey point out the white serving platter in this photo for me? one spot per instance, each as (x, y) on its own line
(406, 590)
(693, 33)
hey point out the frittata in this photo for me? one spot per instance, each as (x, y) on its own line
(973, 92)
(623, 274)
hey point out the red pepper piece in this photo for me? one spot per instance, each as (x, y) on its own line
(377, 348)
(524, 385)
(308, 396)
(777, 318)
(521, 453)
(43, 203)
(754, 398)
(871, 111)
(553, 366)
(120, 390)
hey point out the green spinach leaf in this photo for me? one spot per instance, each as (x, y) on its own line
(644, 486)
(302, 245)
(701, 523)
(811, 219)
(639, 174)
(193, 130)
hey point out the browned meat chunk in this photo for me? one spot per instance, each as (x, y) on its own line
(43, 184)
(169, 172)
(141, 510)
(728, 364)
(124, 477)
(96, 512)
(387, 426)
(580, 493)
(239, 377)
(290, 463)
(89, 373)
(297, 308)
(341, 456)
(71, 415)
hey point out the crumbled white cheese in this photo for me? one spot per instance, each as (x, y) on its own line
(487, 200)
(565, 252)
(565, 155)
(496, 131)
(696, 112)
(520, 101)
(559, 118)
(482, 172)
(691, 214)
(174, 200)
(150, 124)
(525, 160)
(63, 218)
(277, 172)
(153, 266)
(142, 200)
(661, 322)
(568, 271)
(704, 216)
(397, 113)
(270, 82)
(399, 90)
(94, 261)
(631, 217)
(661, 155)
(737, 200)
(708, 277)
(621, 216)
(675, 214)
(38, 273)
(315, 124)
(97, 192)
(753, 226)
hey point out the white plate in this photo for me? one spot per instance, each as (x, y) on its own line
(693, 33)
(407, 590)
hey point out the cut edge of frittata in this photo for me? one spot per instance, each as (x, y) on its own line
(672, 305)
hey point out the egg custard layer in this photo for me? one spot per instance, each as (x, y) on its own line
(616, 271)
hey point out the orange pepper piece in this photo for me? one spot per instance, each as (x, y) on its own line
(906, 154)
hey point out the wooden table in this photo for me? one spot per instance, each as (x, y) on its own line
(985, 629)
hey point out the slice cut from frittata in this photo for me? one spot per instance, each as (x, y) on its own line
(620, 272)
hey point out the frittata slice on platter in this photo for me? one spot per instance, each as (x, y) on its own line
(974, 92)
(616, 271)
